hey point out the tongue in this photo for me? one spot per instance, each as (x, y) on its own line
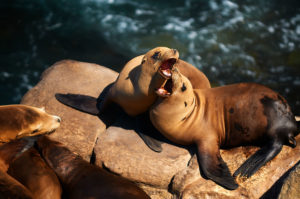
(167, 64)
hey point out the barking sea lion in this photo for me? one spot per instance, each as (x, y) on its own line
(228, 116)
(134, 89)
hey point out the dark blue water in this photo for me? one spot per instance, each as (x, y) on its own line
(230, 41)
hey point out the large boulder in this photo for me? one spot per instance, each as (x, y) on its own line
(78, 130)
(172, 173)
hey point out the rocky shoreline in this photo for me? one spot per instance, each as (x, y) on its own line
(174, 173)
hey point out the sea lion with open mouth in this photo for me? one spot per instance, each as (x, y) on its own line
(227, 116)
(134, 89)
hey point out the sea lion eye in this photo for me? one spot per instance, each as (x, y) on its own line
(35, 131)
(183, 88)
(155, 55)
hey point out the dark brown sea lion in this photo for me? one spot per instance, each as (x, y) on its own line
(134, 89)
(81, 179)
(228, 116)
(31, 170)
(18, 121)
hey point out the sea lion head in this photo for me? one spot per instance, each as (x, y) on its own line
(38, 122)
(18, 121)
(160, 59)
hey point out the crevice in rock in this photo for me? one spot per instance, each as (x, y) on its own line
(274, 191)
(93, 155)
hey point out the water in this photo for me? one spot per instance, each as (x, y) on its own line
(230, 41)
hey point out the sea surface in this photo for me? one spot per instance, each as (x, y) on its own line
(230, 41)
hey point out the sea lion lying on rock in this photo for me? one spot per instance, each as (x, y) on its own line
(81, 179)
(134, 89)
(23, 164)
(31, 170)
(9, 186)
(18, 121)
(227, 116)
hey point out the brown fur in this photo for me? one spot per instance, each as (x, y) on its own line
(82, 180)
(18, 121)
(12, 189)
(30, 169)
(9, 151)
(228, 116)
(134, 90)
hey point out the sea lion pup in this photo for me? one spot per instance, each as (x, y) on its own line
(227, 116)
(18, 121)
(31, 170)
(81, 179)
(134, 89)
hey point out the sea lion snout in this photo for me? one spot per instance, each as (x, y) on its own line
(58, 119)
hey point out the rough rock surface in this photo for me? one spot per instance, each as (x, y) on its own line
(78, 130)
(291, 185)
(170, 174)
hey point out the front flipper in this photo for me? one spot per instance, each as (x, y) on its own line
(143, 126)
(258, 159)
(82, 103)
(213, 166)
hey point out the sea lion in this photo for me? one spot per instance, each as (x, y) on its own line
(81, 179)
(10, 187)
(227, 116)
(134, 89)
(18, 121)
(31, 170)
(9, 151)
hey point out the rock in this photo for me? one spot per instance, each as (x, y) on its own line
(124, 152)
(169, 174)
(78, 130)
(291, 185)
(254, 187)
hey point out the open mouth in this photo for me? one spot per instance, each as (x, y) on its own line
(166, 67)
(166, 89)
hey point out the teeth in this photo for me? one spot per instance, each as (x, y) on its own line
(162, 91)
(166, 73)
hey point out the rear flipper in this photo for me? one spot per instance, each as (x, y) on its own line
(257, 160)
(82, 103)
(143, 127)
(213, 166)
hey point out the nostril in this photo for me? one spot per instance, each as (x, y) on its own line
(174, 51)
